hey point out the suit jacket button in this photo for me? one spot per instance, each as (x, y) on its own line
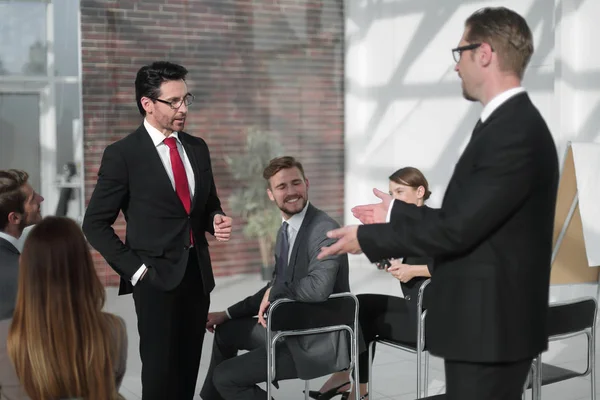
(186, 247)
(407, 298)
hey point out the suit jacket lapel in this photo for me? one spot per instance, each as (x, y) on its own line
(301, 238)
(9, 246)
(189, 150)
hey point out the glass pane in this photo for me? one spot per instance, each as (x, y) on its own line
(67, 111)
(20, 139)
(23, 33)
(66, 39)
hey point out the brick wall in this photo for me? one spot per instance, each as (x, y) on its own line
(277, 65)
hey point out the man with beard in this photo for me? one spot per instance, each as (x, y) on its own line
(161, 179)
(19, 208)
(298, 276)
(492, 238)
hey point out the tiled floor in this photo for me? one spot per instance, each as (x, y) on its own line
(394, 370)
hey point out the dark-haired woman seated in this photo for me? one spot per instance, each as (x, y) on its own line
(382, 316)
(60, 344)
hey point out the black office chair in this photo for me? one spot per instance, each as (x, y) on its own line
(417, 348)
(291, 318)
(566, 320)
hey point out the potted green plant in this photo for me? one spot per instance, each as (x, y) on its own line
(250, 200)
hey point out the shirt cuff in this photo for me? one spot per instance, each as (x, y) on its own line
(136, 277)
(389, 214)
(227, 312)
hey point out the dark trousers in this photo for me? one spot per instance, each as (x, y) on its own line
(386, 317)
(171, 326)
(476, 381)
(234, 377)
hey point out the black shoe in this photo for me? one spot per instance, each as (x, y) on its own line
(331, 393)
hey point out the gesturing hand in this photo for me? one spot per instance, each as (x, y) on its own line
(347, 242)
(374, 213)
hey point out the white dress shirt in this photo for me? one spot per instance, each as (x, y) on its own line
(490, 107)
(10, 239)
(163, 152)
(497, 101)
(294, 224)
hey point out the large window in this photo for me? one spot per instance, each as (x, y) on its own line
(40, 96)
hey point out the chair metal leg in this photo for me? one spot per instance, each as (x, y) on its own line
(270, 367)
(355, 378)
(371, 354)
(269, 374)
(592, 350)
(419, 369)
(306, 389)
(536, 385)
(426, 375)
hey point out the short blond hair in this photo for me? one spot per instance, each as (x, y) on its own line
(507, 33)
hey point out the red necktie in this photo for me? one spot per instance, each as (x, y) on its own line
(181, 182)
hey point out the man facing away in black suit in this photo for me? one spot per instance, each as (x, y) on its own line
(492, 238)
(161, 179)
(298, 276)
(19, 208)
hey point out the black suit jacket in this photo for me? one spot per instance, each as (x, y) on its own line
(133, 179)
(9, 278)
(312, 280)
(491, 241)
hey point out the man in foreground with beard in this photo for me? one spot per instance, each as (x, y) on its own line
(298, 276)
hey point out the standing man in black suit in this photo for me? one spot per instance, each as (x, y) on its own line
(492, 238)
(161, 179)
(298, 276)
(19, 208)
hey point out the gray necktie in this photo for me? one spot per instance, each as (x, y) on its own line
(284, 246)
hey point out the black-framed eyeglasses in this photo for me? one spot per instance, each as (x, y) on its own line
(457, 52)
(175, 104)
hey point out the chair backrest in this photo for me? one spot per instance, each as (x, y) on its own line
(572, 316)
(338, 309)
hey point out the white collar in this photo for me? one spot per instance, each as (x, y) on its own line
(295, 222)
(498, 101)
(10, 239)
(156, 136)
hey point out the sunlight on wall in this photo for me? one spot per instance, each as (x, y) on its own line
(404, 104)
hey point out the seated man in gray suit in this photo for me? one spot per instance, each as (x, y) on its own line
(19, 208)
(298, 276)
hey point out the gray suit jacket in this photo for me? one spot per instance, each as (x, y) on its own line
(9, 277)
(312, 281)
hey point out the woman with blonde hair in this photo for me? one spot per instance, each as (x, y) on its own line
(60, 342)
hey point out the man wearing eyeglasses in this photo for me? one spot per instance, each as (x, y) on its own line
(492, 238)
(161, 179)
